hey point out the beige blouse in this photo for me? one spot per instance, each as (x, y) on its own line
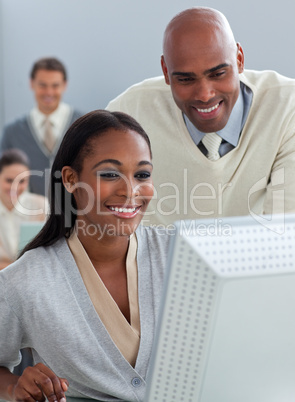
(29, 207)
(125, 336)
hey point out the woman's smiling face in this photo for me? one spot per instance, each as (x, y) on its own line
(14, 180)
(114, 186)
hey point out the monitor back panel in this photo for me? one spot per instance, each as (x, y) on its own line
(28, 230)
(227, 325)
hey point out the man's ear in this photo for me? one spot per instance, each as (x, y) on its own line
(65, 85)
(165, 70)
(69, 178)
(240, 58)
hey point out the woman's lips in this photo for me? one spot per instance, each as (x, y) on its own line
(125, 211)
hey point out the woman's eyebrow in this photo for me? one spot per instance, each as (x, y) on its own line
(113, 161)
(141, 163)
(118, 163)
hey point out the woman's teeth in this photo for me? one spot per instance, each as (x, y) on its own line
(116, 209)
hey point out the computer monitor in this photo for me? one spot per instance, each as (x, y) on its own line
(226, 331)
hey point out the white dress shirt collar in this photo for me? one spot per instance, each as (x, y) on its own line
(58, 120)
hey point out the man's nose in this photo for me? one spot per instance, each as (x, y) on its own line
(204, 90)
(49, 90)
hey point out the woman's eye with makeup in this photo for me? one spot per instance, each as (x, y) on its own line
(142, 175)
(108, 175)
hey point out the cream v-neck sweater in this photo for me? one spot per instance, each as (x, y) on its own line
(257, 177)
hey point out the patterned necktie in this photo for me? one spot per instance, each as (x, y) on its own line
(49, 137)
(212, 143)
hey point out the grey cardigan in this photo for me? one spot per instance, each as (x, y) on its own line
(44, 305)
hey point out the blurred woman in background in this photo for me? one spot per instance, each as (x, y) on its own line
(16, 203)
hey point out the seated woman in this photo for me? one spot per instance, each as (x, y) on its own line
(16, 204)
(85, 293)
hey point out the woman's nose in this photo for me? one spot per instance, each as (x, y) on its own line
(128, 188)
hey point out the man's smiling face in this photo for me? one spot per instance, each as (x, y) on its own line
(201, 63)
(48, 87)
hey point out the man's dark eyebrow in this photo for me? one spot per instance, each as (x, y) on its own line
(183, 74)
(210, 70)
(118, 163)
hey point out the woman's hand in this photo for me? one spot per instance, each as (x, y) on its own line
(37, 383)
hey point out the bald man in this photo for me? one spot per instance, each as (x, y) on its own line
(223, 138)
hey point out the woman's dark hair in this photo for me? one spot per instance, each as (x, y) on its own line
(75, 147)
(13, 156)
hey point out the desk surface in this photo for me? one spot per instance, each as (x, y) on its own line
(71, 399)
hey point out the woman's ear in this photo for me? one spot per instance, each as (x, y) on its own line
(69, 178)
